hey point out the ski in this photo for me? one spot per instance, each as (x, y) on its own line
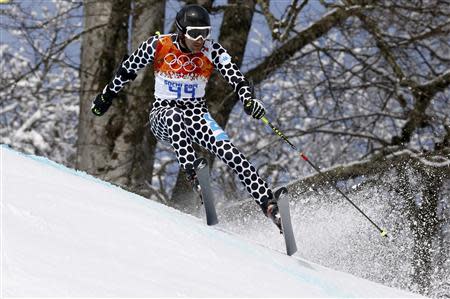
(202, 171)
(286, 224)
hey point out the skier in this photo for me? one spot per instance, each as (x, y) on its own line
(183, 63)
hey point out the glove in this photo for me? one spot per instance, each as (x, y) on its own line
(101, 103)
(255, 108)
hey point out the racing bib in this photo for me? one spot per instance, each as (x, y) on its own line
(178, 74)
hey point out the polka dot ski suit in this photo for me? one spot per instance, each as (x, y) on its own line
(180, 115)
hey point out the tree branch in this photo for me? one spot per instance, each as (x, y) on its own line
(303, 38)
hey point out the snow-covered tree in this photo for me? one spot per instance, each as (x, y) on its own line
(39, 78)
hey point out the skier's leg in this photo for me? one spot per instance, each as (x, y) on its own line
(167, 124)
(246, 172)
(207, 133)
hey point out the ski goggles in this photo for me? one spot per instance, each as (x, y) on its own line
(195, 33)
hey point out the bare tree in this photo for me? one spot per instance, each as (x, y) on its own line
(39, 81)
(376, 83)
(117, 147)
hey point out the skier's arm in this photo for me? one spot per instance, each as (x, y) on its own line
(125, 73)
(230, 71)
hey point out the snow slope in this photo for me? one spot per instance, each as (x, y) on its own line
(65, 233)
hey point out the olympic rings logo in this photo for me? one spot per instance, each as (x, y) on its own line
(183, 61)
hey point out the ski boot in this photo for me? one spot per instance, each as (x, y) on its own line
(274, 214)
(193, 180)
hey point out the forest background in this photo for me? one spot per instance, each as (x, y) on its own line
(361, 86)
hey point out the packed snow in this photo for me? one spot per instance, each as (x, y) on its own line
(67, 234)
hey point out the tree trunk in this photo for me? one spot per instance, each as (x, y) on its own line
(133, 153)
(422, 201)
(101, 50)
(425, 225)
(117, 147)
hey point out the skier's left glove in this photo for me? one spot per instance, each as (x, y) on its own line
(255, 108)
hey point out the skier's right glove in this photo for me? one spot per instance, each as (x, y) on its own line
(102, 102)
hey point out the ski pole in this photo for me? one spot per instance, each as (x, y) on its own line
(264, 119)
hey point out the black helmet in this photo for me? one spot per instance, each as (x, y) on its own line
(192, 15)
